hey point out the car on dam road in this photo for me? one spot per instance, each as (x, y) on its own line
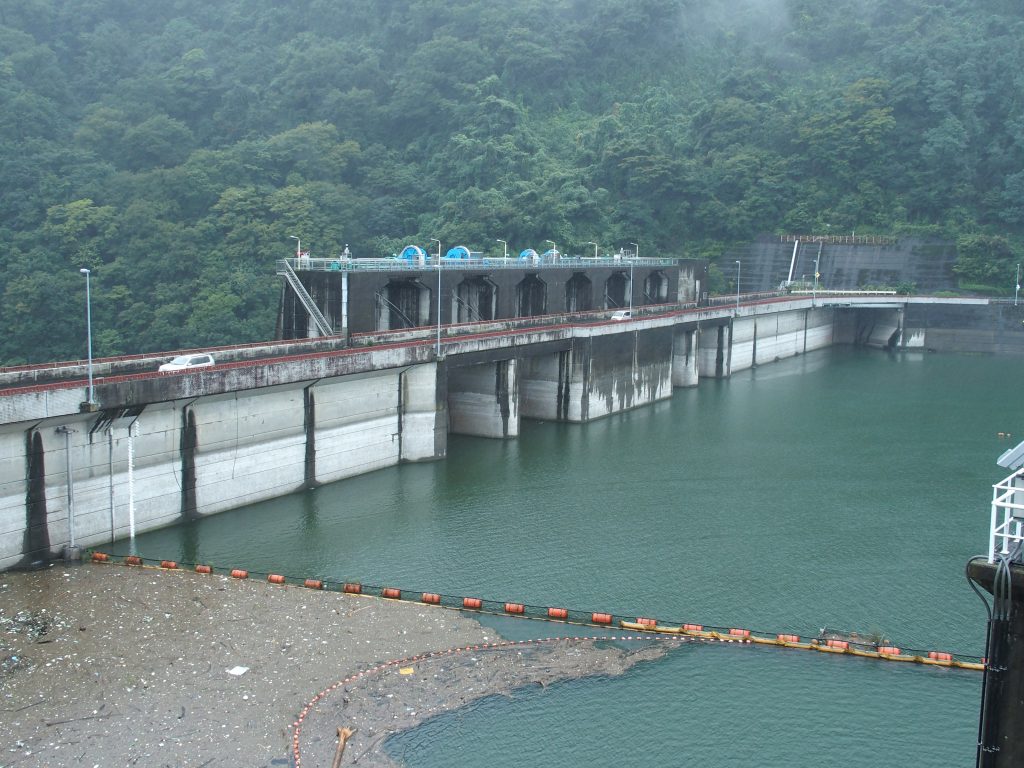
(187, 363)
(622, 314)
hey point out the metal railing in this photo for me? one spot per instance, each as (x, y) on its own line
(402, 265)
(824, 292)
(284, 268)
(1007, 514)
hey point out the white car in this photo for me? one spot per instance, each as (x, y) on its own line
(187, 363)
(622, 314)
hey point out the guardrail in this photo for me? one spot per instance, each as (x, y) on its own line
(402, 265)
(821, 292)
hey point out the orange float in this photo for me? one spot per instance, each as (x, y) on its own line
(391, 593)
(239, 573)
(472, 603)
(313, 584)
(353, 589)
(558, 613)
(275, 578)
(431, 597)
(601, 618)
(204, 569)
(515, 608)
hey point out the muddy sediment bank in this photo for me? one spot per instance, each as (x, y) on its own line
(114, 665)
(398, 696)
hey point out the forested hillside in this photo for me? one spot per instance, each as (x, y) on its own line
(172, 146)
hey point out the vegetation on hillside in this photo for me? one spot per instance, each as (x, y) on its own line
(173, 147)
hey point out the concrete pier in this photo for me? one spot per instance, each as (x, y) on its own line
(483, 399)
(684, 358)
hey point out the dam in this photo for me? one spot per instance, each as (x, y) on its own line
(151, 450)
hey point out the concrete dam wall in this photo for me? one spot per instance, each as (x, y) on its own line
(849, 263)
(167, 449)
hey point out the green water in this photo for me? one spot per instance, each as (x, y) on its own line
(845, 488)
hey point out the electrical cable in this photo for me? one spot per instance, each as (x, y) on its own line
(996, 648)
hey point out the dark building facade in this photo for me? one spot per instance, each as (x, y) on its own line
(369, 295)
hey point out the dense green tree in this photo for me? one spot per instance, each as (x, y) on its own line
(984, 259)
(173, 147)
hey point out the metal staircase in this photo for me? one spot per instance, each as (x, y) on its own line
(285, 269)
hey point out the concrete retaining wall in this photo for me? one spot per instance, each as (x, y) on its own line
(982, 328)
(205, 455)
(618, 376)
(544, 386)
(684, 357)
(248, 447)
(483, 399)
(760, 339)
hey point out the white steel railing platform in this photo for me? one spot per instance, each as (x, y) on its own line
(1007, 514)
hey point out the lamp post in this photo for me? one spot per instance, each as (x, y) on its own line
(814, 289)
(88, 326)
(554, 250)
(636, 250)
(505, 253)
(595, 247)
(631, 288)
(1016, 290)
(438, 349)
(298, 245)
(738, 285)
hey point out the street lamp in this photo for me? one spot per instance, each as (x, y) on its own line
(298, 245)
(554, 250)
(737, 285)
(505, 254)
(636, 251)
(88, 325)
(595, 247)
(630, 287)
(814, 290)
(438, 350)
(1016, 291)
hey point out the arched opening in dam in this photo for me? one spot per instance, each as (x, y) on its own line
(531, 296)
(616, 290)
(403, 303)
(655, 288)
(476, 300)
(579, 293)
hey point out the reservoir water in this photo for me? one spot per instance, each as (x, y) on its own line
(845, 488)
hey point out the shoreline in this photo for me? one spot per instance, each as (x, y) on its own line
(114, 665)
(403, 694)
